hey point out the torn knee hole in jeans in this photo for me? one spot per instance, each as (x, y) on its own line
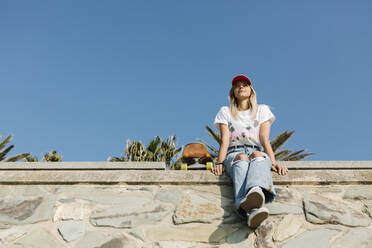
(256, 156)
(240, 157)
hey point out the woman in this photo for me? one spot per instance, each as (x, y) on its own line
(245, 151)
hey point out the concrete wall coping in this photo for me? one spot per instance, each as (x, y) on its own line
(300, 173)
(82, 166)
(131, 177)
(292, 165)
(326, 165)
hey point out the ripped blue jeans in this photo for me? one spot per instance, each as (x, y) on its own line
(246, 174)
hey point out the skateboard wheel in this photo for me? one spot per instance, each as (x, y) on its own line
(209, 165)
(184, 166)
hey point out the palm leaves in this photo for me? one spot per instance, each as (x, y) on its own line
(4, 151)
(158, 150)
(135, 151)
(52, 157)
(276, 144)
(216, 137)
(48, 157)
(31, 158)
(153, 150)
(286, 155)
(169, 153)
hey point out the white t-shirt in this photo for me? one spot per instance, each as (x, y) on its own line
(244, 130)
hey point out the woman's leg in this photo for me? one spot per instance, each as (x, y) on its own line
(237, 167)
(259, 174)
(239, 176)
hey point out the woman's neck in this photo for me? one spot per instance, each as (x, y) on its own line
(243, 105)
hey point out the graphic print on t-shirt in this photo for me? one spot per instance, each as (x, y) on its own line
(240, 133)
(244, 130)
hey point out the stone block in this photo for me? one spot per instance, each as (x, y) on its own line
(99, 240)
(321, 210)
(22, 209)
(180, 244)
(72, 211)
(201, 233)
(319, 238)
(123, 217)
(93, 239)
(287, 195)
(288, 227)
(122, 241)
(39, 238)
(197, 208)
(7, 236)
(283, 208)
(264, 233)
(241, 238)
(106, 195)
(173, 196)
(71, 230)
(359, 193)
(356, 237)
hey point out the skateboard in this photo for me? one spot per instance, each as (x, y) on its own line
(196, 156)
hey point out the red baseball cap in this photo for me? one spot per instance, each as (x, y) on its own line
(240, 78)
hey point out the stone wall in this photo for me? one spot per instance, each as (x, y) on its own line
(319, 204)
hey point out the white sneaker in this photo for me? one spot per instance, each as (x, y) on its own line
(255, 198)
(257, 216)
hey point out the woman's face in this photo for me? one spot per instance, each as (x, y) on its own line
(242, 90)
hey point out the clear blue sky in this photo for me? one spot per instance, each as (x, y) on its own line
(81, 77)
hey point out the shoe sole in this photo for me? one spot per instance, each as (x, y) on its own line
(258, 219)
(253, 200)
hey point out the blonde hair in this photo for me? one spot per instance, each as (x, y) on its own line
(252, 103)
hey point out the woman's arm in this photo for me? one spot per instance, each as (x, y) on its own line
(265, 141)
(225, 133)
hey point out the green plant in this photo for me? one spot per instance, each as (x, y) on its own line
(169, 153)
(157, 150)
(48, 157)
(5, 150)
(52, 157)
(276, 144)
(153, 150)
(135, 151)
(287, 155)
(31, 158)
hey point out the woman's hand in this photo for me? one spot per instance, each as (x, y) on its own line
(218, 170)
(280, 169)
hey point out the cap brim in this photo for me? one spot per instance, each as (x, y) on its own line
(241, 78)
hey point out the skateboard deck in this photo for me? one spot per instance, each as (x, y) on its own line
(195, 156)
